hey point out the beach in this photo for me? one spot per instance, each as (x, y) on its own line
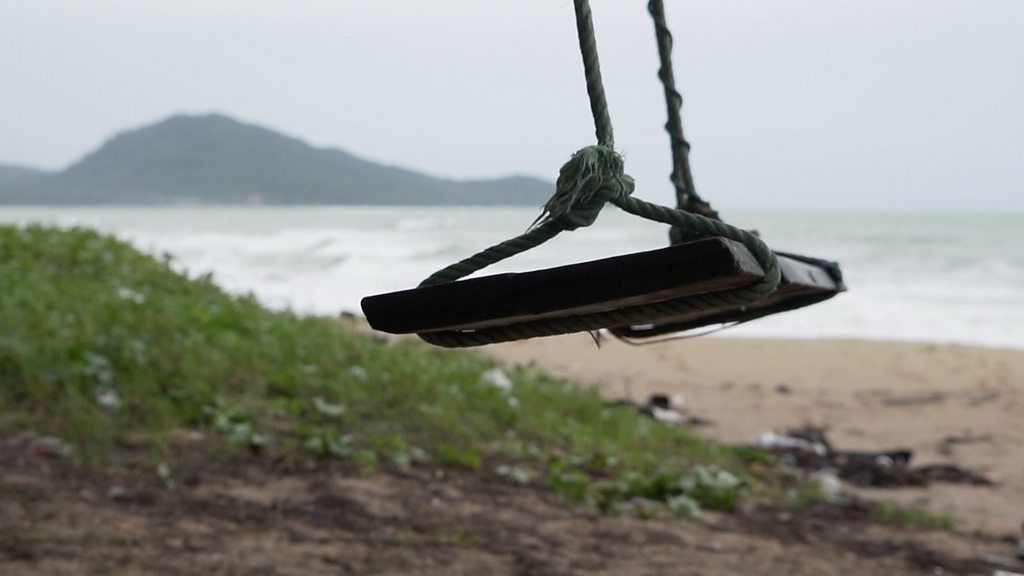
(242, 298)
(294, 444)
(273, 442)
(302, 517)
(870, 395)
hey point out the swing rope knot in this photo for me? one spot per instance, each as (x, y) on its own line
(592, 177)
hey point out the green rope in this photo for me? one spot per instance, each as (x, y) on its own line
(682, 175)
(592, 177)
(592, 72)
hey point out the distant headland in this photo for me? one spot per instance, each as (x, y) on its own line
(215, 159)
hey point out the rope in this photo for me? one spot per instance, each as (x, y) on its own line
(689, 335)
(592, 72)
(687, 197)
(592, 177)
(682, 176)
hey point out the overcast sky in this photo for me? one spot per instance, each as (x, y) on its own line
(813, 104)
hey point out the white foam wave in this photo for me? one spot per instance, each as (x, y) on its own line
(931, 278)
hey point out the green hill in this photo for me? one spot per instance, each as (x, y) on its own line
(214, 159)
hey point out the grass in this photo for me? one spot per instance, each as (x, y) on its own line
(99, 342)
(910, 517)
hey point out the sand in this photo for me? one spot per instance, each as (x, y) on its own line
(266, 516)
(870, 395)
(258, 514)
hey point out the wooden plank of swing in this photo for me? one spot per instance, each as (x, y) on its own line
(707, 265)
(803, 283)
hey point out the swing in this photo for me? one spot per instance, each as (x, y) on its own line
(712, 273)
(804, 281)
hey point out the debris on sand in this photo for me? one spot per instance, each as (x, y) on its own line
(781, 442)
(32, 444)
(947, 445)
(711, 546)
(915, 399)
(952, 474)
(1004, 562)
(809, 449)
(116, 492)
(983, 397)
(667, 409)
(48, 446)
(828, 484)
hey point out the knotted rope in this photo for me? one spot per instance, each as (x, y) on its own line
(593, 177)
(590, 179)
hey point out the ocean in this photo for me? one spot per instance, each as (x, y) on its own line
(921, 277)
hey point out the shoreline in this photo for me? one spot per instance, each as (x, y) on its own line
(910, 282)
(869, 394)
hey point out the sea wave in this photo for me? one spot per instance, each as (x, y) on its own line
(917, 277)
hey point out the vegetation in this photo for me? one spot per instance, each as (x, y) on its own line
(215, 159)
(102, 345)
(910, 517)
(99, 343)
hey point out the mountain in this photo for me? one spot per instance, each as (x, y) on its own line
(214, 159)
(17, 174)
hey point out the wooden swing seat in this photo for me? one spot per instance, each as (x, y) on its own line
(805, 281)
(707, 265)
(698, 267)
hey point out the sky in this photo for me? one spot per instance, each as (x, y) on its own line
(868, 105)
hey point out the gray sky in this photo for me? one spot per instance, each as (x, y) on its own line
(813, 104)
